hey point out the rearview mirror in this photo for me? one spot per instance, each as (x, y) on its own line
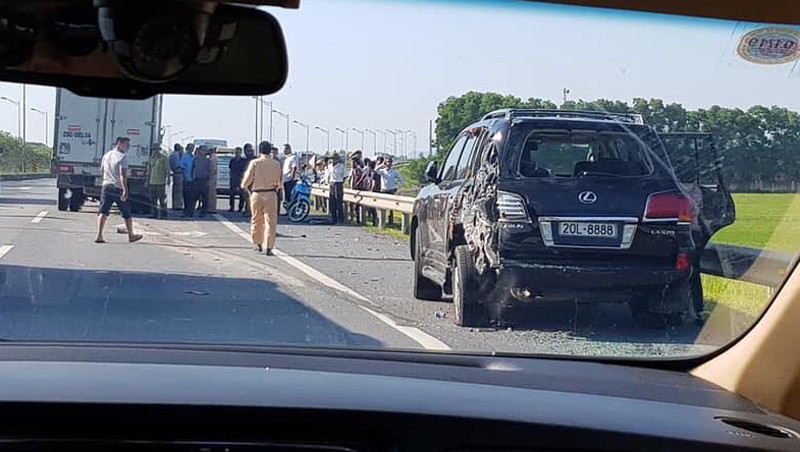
(432, 172)
(125, 49)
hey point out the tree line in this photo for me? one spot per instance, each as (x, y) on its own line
(758, 145)
(19, 157)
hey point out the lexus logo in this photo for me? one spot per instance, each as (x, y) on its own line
(587, 197)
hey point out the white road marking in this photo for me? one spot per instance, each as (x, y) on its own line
(40, 217)
(192, 234)
(4, 249)
(422, 338)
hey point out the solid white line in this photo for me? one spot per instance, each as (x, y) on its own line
(422, 338)
(4, 249)
(40, 217)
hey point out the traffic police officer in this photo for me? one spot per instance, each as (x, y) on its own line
(262, 179)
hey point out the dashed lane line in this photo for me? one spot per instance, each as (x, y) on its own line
(40, 217)
(422, 338)
(4, 249)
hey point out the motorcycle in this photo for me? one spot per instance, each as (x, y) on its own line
(300, 201)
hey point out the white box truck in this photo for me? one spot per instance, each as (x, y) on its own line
(86, 128)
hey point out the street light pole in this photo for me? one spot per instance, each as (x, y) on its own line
(169, 138)
(19, 116)
(308, 134)
(384, 139)
(394, 135)
(270, 119)
(24, 113)
(288, 122)
(327, 134)
(256, 122)
(46, 124)
(345, 138)
(374, 141)
(362, 136)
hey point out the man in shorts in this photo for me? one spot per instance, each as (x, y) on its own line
(115, 189)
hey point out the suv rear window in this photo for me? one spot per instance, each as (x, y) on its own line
(585, 153)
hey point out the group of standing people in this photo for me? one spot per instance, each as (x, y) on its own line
(290, 173)
(194, 179)
(377, 175)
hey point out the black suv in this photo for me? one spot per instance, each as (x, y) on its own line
(552, 205)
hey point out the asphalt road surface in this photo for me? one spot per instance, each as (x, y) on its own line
(200, 281)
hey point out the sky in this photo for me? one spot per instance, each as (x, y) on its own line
(381, 64)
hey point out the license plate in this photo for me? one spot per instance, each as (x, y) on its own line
(581, 229)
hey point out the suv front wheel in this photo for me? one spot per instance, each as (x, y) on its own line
(467, 290)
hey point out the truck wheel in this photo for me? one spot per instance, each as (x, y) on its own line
(76, 200)
(424, 288)
(470, 311)
(63, 201)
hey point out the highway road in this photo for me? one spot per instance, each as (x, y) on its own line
(200, 281)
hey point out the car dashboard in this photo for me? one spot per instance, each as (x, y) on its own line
(114, 398)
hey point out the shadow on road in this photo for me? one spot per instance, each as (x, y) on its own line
(607, 322)
(27, 201)
(79, 305)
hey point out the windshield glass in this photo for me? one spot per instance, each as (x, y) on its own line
(493, 177)
(582, 154)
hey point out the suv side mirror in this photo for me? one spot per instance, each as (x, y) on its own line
(432, 172)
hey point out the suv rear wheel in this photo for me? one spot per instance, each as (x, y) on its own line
(678, 297)
(467, 290)
(424, 288)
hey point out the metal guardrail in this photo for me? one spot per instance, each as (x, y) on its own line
(757, 266)
(358, 204)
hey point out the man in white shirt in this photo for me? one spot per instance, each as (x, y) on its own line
(335, 178)
(391, 181)
(290, 172)
(115, 189)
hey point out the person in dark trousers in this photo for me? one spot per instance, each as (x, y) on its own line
(202, 171)
(237, 167)
(373, 184)
(177, 177)
(157, 175)
(249, 156)
(291, 167)
(336, 182)
(114, 168)
(187, 165)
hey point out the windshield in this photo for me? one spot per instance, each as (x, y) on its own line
(582, 154)
(439, 176)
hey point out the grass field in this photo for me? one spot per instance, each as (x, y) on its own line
(769, 221)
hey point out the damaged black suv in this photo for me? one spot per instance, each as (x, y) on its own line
(552, 205)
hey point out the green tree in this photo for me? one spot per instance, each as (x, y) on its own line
(757, 143)
(19, 157)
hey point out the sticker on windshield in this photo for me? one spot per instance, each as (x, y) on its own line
(770, 45)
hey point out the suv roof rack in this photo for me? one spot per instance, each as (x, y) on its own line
(511, 113)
